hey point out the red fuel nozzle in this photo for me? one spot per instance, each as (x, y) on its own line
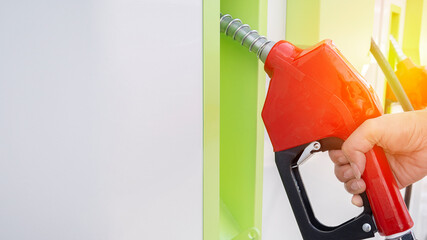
(315, 100)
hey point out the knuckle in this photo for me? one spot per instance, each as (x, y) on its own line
(338, 173)
(371, 126)
(347, 149)
(370, 123)
(354, 187)
(347, 187)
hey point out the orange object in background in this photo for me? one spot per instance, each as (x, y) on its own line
(412, 77)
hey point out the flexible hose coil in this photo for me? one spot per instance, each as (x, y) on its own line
(242, 33)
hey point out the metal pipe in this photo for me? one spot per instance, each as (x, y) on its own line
(398, 91)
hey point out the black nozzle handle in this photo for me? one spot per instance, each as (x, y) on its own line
(359, 227)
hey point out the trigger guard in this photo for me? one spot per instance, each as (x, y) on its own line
(310, 226)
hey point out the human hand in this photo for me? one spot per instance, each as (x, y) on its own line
(403, 136)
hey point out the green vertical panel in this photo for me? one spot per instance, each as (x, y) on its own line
(423, 36)
(412, 29)
(348, 23)
(259, 155)
(392, 56)
(241, 131)
(394, 30)
(302, 22)
(211, 120)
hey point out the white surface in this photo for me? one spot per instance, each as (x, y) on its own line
(101, 119)
(419, 209)
(276, 20)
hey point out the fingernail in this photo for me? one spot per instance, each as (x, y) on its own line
(356, 171)
(356, 185)
(353, 201)
(357, 201)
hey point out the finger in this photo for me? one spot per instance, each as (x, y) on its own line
(355, 186)
(359, 142)
(357, 200)
(338, 157)
(344, 173)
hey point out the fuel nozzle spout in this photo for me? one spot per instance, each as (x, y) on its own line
(247, 37)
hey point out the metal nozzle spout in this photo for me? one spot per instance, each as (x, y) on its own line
(242, 33)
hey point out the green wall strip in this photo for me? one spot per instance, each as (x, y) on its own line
(234, 88)
(412, 29)
(259, 163)
(423, 36)
(348, 23)
(303, 22)
(241, 128)
(394, 30)
(211, 121)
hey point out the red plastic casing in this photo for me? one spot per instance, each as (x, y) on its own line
(315, 93)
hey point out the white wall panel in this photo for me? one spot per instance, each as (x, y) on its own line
(101, 119)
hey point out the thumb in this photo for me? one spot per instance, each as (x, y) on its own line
(360, 142)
